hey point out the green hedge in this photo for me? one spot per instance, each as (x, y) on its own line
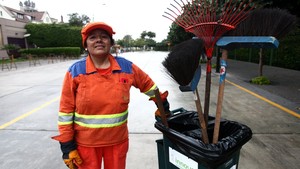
(53, 35)
(67, 51)
(287, 55)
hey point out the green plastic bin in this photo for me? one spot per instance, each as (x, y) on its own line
(164, 162)
(161, 154)
(182, 147)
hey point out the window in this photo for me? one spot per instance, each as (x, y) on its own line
(20, 16)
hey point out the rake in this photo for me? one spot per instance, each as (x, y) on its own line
(209, 22)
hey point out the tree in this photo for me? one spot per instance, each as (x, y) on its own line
(177, 35)
(76, 20)
(146, 39)
(163, 45)
(150, 43)
(139, 42)
(149, 34)
(126, 42)
(291, 6)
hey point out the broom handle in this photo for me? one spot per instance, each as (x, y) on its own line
(161, 107)
(207, 90)
(201, 117)
(207, 96)
(220, 96)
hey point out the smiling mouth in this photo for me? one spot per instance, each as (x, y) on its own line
(102, 47)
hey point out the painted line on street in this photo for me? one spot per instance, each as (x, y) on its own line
(28, 113)
(266, 100)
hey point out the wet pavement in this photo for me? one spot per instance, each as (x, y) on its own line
(29, 104)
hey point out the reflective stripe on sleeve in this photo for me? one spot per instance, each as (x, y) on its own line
(150, 92)
(101, 121)
(65, 118)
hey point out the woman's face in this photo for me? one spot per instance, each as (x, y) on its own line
(98, 43)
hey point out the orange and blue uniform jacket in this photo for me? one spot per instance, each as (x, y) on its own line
(93, 107)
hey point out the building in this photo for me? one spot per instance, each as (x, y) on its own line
(13, 21)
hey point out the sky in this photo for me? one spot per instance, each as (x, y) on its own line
(126, 17)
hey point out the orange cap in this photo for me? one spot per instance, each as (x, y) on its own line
(95, 25)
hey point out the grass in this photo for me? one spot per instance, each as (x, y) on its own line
(260, 80)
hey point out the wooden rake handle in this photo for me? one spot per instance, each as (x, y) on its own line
(220, 97)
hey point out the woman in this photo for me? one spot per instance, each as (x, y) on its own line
(94, 103)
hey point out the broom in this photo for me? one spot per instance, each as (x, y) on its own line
(202, 19)
(261, 23)
(182, 64)
(265, 22)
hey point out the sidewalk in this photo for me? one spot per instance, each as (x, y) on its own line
(285, 83)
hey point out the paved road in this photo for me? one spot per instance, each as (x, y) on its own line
(29, 103)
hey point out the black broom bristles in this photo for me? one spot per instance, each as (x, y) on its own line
(266, 22)
(183, 60)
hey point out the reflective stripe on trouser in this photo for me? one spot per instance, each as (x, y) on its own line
(114, 157)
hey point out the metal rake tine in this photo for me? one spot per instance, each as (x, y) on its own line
(226, 10)
(196, 11)
(236, 10)
(203, 8)
(173, 12)
(177, 14)
(180, 22)
(190, 16)
(181, 5)
(213, 10)
(241, 15)
(180, 12)
(168, 17)
(175, 8)
(200, 7)
(245, 14)
(206, 7)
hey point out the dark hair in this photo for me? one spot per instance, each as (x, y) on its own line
(112, 41)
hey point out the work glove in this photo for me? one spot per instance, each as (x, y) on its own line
(165, 102)
(70, 154)
(72, 159)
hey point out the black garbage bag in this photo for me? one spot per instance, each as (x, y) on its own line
(185, 134)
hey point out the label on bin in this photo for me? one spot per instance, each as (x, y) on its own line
(233, 167)
(181, 161)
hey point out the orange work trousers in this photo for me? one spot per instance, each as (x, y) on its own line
(114, 157)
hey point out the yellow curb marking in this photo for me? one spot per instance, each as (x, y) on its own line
(27, 114)
(266, 100)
